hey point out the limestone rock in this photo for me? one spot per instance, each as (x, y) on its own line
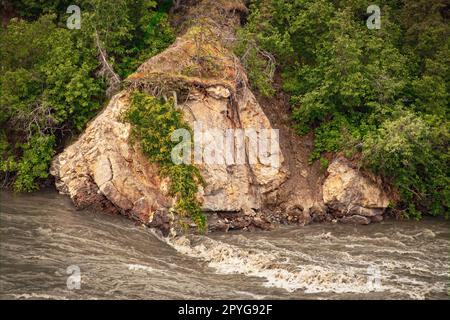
(103, 166)
(347, 192)
(218, 92)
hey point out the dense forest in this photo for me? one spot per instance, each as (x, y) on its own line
(55, 79)
(379, 96)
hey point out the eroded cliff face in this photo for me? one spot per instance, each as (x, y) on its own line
(351, 196)
(104, 170)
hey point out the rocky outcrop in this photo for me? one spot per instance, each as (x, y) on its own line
(344, 193)
(351, 196)
(104, 169)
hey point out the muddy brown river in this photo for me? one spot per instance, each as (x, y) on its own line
(48, 250)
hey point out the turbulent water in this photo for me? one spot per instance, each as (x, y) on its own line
(42, 236)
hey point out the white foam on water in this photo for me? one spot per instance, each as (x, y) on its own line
(316, 274)
(229, 259)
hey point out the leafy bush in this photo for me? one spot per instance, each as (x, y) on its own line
(37, 155)
(153, 123)
(407, 151)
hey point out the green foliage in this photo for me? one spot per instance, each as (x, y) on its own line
(130, 31)
(256, 44)
(37, 155)
(412, 151)
(256, 61)
(153, 123)
(324, 163)
(185, 180)
(49, 82)
(32, 9)
(155, 36)
(383, 93)
(46, 84)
